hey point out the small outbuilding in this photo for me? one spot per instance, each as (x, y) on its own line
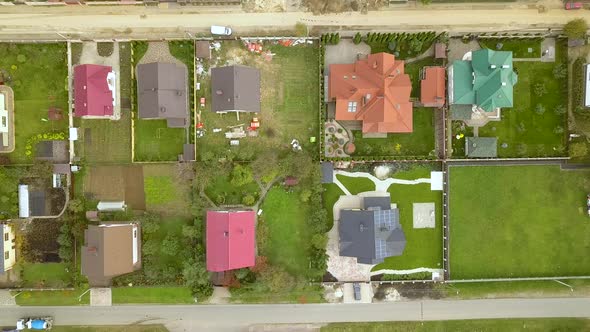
(327, 172)
(202, 49)
(481, 147)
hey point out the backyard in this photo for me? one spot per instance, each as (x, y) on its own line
(536, 125)
(289, 101)
(167, 188)
(418, 143)
(520, 221)
(38, 75)
(105, 141)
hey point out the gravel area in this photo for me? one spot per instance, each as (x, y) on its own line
(423, 215)
(159, 52)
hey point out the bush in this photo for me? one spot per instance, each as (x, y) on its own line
(248, 200)
(560, 71)
(576, 28)
(300, 29)
(540, 89)
(560, 109)
(412, 276)
(540, 109)
(21, 58)
(357, 38)
(170, 245)
(578, 150)
(241, 175)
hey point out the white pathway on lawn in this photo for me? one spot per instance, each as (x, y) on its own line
(417, 270)
(380, 185)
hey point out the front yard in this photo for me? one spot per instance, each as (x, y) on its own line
(519, 221)
(38, 75)
(160, 295)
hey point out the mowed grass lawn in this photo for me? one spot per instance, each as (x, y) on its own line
(356, 185)
(52, 298)
(526, 132)
(285, 235)
(154, 141)
(289, 92)
(479, 325)
(173, 295)
(418, 143)
(518, 221)
(168, 187)
(424, 245)
(518, 46)
(38, 75)
(111, 328)
(48, 275)
(105, 141)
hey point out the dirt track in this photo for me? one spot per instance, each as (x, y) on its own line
(142, 22)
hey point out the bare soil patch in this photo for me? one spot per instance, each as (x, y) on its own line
(116, 183)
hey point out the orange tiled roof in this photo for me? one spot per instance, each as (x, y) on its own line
(380, 89)
(432, 87)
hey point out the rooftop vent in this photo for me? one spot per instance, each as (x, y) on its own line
(218, 92)
(505, 66)
(493, 66)
(226, 234)
(503, 83)
(361, 228)
(162, 109)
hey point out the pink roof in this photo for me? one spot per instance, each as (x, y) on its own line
(91, 91)
(230, 240)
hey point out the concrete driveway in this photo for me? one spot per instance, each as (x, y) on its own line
(366, 293)
(345, 52)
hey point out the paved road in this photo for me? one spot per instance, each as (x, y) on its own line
(141, 22)
(238, 317)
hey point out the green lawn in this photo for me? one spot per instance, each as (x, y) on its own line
(356, 185)
(518, 46)
(286, 236)
(526, 132)
(520, 221)
(169, 226)
(289, 103)
(423, 246)
(38, 75)
(52, 298)
(170, 295)
(480, 325)
(331, 195)
(544, 288)
(221, 191)
(298, 293)
(158, 189)
(419, 143)
(154, 141)
(105, 141)
(48, 275)
(111, 328)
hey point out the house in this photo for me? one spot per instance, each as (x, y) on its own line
(162, 93)
(110, 250)
(4, 121)
(31, 203)
(372, 233)
(7, 247)
(94, 91)
(327, 172)
(55, 151)
(372, 94)
(230, 240)
(235, 89)
(432, 87)
(482, 83)
(481, 147)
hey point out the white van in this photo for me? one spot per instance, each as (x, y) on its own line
(220, 30)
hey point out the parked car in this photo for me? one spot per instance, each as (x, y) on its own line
(42, 324)
(220, 30)
(357, 291)
(573, 5)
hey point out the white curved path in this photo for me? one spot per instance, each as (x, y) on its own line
(380, 185)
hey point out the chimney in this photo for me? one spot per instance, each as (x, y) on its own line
(503, 83)
(505, 66)
(226, 234)
(218, 92)
(493, 66)
(92, 251)
(375, 65)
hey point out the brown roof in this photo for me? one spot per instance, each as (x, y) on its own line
(202, 49)
(108, 252)
(440, 51)
(235, 88)
(162, 93)
(61, 168)
(375, 91)
(432, 87)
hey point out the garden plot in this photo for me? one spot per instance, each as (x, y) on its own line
(116, 183)
(168, 187)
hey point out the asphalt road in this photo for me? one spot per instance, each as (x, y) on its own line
(140, 22)
(239, 317)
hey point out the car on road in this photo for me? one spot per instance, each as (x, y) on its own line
(573, 5)
(39, 324)
(357, 291)
(220, 30)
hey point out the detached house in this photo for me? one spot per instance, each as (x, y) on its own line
(7, 248)
(110, 250)
(231, 240)
(235, 89)
(94, 91)
(162, 93)
(372, 94)
(481, 85)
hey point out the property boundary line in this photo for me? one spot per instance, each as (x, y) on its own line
(516, 279)
(446, 225)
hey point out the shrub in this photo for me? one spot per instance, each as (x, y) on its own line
(357, 38)
(560, 71)
(248, 200)
(21, 58)
(578, 150)
(241, 175)
(560, 109)
(540, 109)
(170, 245)
(540, 89)
(576, 28)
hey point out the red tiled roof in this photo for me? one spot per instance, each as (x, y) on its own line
(432, 87)
(91, 91)
(230, 240)
(380, 89)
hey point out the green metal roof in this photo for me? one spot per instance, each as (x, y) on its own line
(492, 78)
(481, 147)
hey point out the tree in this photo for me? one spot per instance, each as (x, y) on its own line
(558, 130)
(196, 277)
(170, 245)
(248, 200)
(190, 232)
(319, 241)
(540, 89)
(560, 71)
(305, 195)
(241, 175)
(76, 205)
(576, 28)
(336, 38)
(150, 227)
(357, 38)
(540, 109)
(578, 150)
(560, 109)
(150, 247)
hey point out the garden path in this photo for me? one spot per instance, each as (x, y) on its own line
(380, 185)
(416, 270)
(428, 53)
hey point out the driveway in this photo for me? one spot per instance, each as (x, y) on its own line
(345, 52)
(366, 293)
(101, 297)
(457, 48)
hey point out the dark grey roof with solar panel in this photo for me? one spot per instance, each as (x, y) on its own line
(371, 234)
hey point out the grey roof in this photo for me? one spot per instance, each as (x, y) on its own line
(44, 149)
(162, 93)
(461, 112)
(52, 150)
(481, 147)
(383, 203)
(371, 235)
(37, 203)
(188, 152)
(235, 88)
(327, 172)
(61, 168)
